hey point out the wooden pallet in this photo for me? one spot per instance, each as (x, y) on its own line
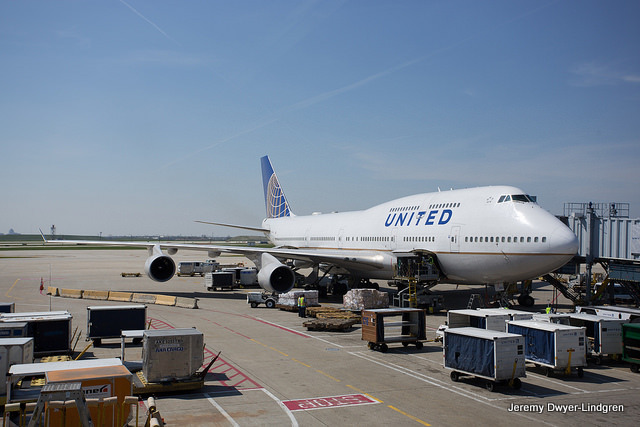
(329, 324)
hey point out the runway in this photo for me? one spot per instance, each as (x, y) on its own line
(272, 371)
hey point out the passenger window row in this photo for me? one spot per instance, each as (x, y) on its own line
(503, 239)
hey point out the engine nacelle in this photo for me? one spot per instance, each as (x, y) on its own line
(275, 276)
(160, 267)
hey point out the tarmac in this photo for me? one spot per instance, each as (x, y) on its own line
(272, 371)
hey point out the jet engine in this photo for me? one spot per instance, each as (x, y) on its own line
(275, 276)
(159, 267)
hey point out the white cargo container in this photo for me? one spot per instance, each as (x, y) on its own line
(552, 345)
(171, 354)
(493, 355)
(477, 319)
(604, 334)
(562, 318)
(513, 314)
(14, 351)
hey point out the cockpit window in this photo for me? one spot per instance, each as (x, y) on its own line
(521, 198)
(525, 198)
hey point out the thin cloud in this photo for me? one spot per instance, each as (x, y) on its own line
(148, 21)
(589, 74)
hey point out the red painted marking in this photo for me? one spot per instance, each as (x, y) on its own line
(328, 402)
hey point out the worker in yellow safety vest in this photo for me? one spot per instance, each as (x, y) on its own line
(302, 307)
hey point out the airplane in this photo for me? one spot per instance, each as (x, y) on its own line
(491, 235)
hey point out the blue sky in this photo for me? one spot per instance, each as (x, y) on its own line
(139, 117)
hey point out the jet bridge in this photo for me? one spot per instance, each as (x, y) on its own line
(607, 236)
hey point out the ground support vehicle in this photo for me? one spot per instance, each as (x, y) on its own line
(257, 298)
(497, 357)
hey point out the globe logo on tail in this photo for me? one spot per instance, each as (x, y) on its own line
(277, 206)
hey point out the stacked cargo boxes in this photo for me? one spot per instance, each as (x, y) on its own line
(14, 351)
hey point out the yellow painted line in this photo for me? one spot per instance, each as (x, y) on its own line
(11, 288)
(366, 394)
(418, 420)
(327, 375)
(303, 364)
(256, 341)
(275, 349)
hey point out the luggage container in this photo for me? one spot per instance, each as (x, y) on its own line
(14, 351)
(477, 319)
(380, 328)
(604, 335)
(496, 356)
(24, 381)
(108, 321)
(7, 307)
(51, 330)
(561, 318)
(97, 383)
(14, 329)
(171, 354)
(551, 345)
(219, 280)
(631, 315)
(631, 345)
(513, 314)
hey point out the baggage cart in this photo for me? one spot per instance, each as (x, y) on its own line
(495, 356)
(219, 280)
(108, 321)
(51, 330)
(631, 345)
(384, 326)
(604, 335)
(554, 346)
(478, 319)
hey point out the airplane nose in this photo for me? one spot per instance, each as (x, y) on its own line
(564, 241)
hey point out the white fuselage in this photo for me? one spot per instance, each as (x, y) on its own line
(478, 235)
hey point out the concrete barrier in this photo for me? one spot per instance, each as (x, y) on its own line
(143, 298)
(186, 302)
(165, 300)
(93, 294)
(70, 293)
(53, 291)
(120, 296)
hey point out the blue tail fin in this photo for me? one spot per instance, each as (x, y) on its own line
(274, 198)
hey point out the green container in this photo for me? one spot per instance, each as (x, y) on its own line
(631, 344)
